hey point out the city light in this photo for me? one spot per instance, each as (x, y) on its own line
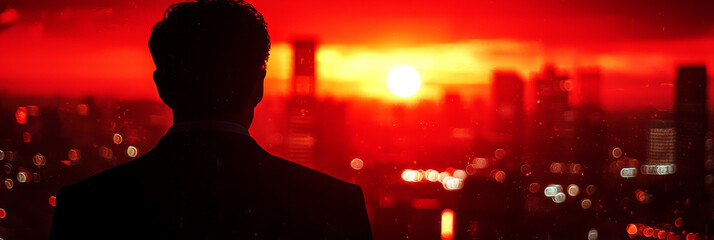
(552, 189)
(447, 224)
(23, 177)
(8, 183)
(559, 197)
(356, 164)
(53, 201)
(573, 190)
(132, 151)
(534, 187)
(26, 137)
(21, 115)
(432, 175)
(453, 183)
(117, 138)
(499, 176)
(499, 154)
(39, 160)
(631, 229)
(592, 234)
(460, 174)
(73, 154)
(628, 172)
(590, 189)
(586, 203)
(480, 163)
(82, 109)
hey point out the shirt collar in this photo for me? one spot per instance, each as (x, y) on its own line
(209, 125)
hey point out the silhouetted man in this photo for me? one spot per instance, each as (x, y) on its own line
(207, 178)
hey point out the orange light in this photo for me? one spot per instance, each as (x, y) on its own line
(53, 201)
(73, 154)
(447, 224)
(21, 115)
(3, 214)
(631, 229)
(357, 164)
(431, 175)
(117, 138)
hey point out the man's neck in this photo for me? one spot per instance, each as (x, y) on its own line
(244, 118)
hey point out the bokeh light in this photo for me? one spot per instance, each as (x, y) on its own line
(131, 151)
(356, 164)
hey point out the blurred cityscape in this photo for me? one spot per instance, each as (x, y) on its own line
(449, 169)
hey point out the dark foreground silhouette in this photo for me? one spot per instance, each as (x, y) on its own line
(207, 178)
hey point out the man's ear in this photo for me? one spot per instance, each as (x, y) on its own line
(161, 86)
(257, 93)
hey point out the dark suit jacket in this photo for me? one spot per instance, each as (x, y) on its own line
(210, 185)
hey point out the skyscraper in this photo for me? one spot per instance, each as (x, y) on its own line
(302, 106)
(507, 97)
(553, 130)
(691, 126)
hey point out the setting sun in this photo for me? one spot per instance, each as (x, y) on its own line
(403, 81)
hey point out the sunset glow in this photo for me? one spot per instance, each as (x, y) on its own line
(404, 81)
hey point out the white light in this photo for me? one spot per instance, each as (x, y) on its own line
(132, 151)
(573, 190)
(22, 177)
(586, 203)
(452, 183)
(559, 197)
(628, 172)
(432, 175)
(592, 234)
(552, 189)
(403, 81)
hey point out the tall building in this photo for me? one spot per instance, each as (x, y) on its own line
(302, 106)
(590, 131)
(553, 126)
(691, 125)
(661, 147)
(507, 95)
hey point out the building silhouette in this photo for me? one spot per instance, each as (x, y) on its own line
(302, 106)
(553, 123)
(691, 126)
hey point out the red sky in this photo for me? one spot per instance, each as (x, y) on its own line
(99, 47)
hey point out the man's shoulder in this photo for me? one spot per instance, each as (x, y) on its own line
(109, 179)
(298, 175)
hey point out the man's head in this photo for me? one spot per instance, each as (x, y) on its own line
(210, 57)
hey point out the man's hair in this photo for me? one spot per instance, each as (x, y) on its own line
(206, 52)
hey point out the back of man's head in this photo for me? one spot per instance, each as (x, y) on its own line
(210, 56)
